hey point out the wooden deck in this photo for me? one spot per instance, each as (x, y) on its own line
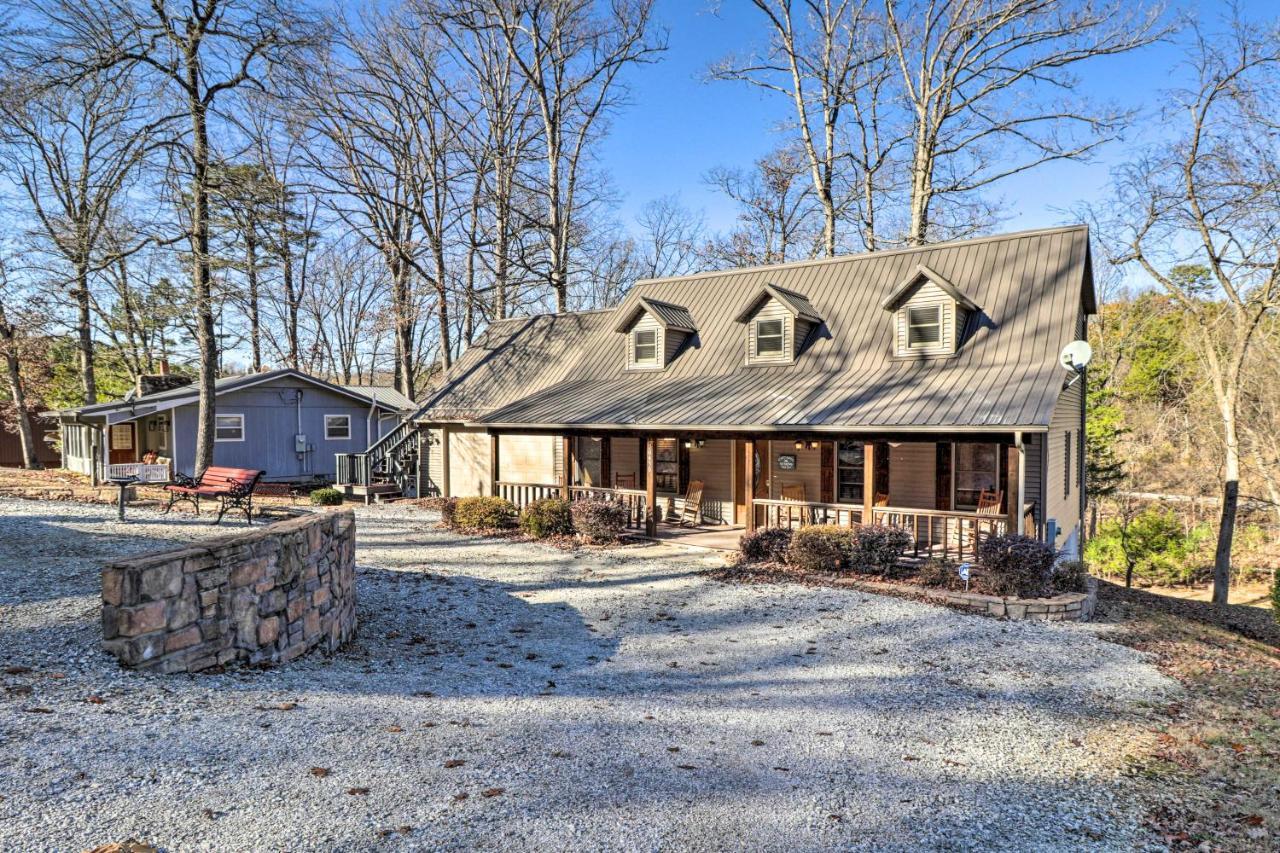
(714, 537)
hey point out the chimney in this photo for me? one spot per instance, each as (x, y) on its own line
(151, 383)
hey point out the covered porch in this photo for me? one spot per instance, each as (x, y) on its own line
(948, 493)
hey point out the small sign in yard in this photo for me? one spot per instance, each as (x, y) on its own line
(964, 575)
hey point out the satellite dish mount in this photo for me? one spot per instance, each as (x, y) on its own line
(1075, 357)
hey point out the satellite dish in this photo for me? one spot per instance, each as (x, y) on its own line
(1075, 356)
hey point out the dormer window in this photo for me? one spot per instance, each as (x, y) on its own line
(924, 326)
(778, 323)
(646, 346)
(930, 315)
(656, 332)
(769, 337)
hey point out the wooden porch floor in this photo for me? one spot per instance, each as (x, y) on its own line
(715, 537)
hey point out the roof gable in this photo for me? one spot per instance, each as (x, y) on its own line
(796, 304)
(918, 276)
(671, 317)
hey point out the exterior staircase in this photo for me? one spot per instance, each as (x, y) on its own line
(387, 469)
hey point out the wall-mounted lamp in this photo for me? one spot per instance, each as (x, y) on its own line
(687, 444)
(799, 445)
(702, 442)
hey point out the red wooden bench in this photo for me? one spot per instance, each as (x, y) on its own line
(233, 488)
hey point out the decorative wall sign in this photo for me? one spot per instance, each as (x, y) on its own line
(787, 462)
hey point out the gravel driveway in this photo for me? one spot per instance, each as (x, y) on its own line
(506, 696)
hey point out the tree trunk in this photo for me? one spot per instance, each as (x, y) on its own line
(17, 394)
(255, 326)
(84, 332)
(401, 308)
(1227, 520)
(208, 343)
(291, 298)
(921, 191)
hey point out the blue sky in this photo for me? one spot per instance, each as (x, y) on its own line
(679, 125)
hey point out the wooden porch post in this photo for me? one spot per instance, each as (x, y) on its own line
(868, 482)
(495, 464)
(650, 486)
(446, 490)
(748, 480)
(566, 467)
(1016, 461)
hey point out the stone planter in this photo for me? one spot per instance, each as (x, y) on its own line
(1066, 607)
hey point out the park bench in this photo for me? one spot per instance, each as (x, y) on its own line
(232, 487)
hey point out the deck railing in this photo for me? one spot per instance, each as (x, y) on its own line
(523, 494)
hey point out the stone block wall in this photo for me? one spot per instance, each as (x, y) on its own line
(262, 595)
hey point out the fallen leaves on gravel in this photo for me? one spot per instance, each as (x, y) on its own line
(95, 700)
(454, 762)
(130, 846)
(358, 792)
(16, 670)
(491, 792)
(319, 772)
(38, 710)
(282, 706)
(457, 798)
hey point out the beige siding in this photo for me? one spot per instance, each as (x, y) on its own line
(646, 322)
(913, 480)
(468, 462)
(713, 465)
(808, 470)
(1060, 506)
(527, 459)
(927, 295)
(625, 459)
(434, 449)
(772, 309)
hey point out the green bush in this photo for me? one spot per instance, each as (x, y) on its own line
(599, 522)
(820, 548)
(328, 496)
(547, 517)
(1070, 576)
(479, 514)
(878, 548)
(1152, 547)
(1016, 565)
(939, 572)
(765, 545)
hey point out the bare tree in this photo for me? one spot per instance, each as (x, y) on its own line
(16, 324)
(1199, 215)
(989, 92)
(815, 63)
(779, 220)
(571, 58)
(74, 146)
(671, 238)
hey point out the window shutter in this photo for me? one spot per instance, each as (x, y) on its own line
(828, 472)
(943, 469)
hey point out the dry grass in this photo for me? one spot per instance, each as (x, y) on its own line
(1211, 759)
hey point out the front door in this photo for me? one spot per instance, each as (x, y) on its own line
(124, 447)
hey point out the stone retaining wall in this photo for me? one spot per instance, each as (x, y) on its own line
(1066, 607)
(268, 594)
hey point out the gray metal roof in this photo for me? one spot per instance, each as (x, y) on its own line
(385, 395)
(569, 370)
(187, 393)
(919, 275)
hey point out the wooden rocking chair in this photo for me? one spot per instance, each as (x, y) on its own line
(989, 502)
(795, 492)
(624, 481)
(691, 510)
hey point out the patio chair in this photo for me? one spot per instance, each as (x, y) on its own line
(796, 492)
(989, 502)
(691, 510)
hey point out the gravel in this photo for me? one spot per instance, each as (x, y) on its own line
(503, 695)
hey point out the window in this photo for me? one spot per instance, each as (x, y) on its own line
(851, 462)
(1066, 464)
(924, 326)
(337, 427)
(646, 346)
(590, 454)
(666, 466)
(976, 470)
(768, 337)
(228, 428)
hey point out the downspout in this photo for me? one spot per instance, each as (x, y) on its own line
(1020, 506)
(302, 454)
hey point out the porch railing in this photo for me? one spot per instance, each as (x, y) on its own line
(778, 513)
(523, 494)
(942, 533)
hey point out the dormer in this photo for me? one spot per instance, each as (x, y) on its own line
(778, 322)
(929, 315)
(655, 331)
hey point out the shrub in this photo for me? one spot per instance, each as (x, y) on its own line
(939, 572)
(765, 545)
(328, 496)
(820, 548)
(877, 548)
(483, 513)
(1070, 576)
(1151, 547)
(448, 509)
(547, 517)
(599, 522)
(1275, 595)
(1016, 565)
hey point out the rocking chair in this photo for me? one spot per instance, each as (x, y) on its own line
(691, 510)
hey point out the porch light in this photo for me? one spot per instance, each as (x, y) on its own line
(813, 445)
(687, 444)
(799, 445)
(701, 442)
